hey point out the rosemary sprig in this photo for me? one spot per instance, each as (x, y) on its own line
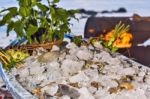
(120, 28)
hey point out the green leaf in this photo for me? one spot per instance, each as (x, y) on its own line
(55, 1)
(52, 11)
(31, 30)
(62, 15)
(13, 10)
(9, 15)
(50, 35)
(18, 28)
(24, 11)
(111, 41)
(42, 7)
(114, 49)
(72, 12)
(77, 40)
(33, 2)
(6, 19)
(43, 21)
(24, 3)
(58, 35)
(10, 27)
(65, 28)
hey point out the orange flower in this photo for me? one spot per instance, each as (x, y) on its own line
(117, 42)
(126, 37)
(123, 41)
(118, 37)
(109, 35)
(121, 45)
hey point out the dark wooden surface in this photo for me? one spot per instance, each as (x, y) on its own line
(139, 27)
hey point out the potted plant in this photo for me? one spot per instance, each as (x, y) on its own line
(41, 24)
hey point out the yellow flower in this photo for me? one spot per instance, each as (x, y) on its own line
(123, 41)
(126, 37)
(17, 55)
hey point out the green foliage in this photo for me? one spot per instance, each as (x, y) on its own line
(32, 15)
(77, 40)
